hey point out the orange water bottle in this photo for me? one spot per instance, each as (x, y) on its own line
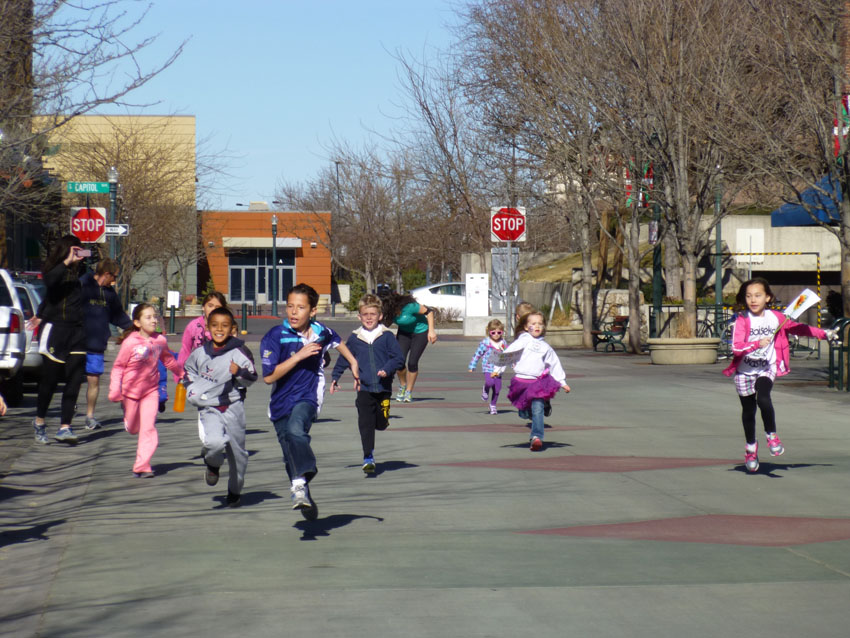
(180, 398)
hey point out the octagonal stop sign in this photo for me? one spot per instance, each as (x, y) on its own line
(507, 224)
(89, 224)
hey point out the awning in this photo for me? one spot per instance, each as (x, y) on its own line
(819, 200)
(260, 242)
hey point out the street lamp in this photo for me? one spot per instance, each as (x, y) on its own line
(274, 265)
(112, 178)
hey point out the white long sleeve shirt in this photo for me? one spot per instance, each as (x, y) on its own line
(536, 357)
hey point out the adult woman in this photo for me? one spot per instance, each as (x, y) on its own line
(415, 331)
(62, 342)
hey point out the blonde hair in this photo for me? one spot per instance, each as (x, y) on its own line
(523, 308)
(370, 301)
(493, 325)
(523, 322)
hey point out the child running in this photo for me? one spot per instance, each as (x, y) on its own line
(522, 309)
(196, 333)
(378, 357)
(760, 353)
(292, 363)
(538, 374)
(487, 352)
(135, 382)
(217, 375)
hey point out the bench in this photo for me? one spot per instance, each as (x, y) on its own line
(611, 333)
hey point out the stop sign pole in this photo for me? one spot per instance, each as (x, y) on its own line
(507, 224)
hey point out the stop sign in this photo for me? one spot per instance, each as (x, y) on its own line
(89, 224)
(507, 224)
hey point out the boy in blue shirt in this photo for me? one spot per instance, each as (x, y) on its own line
(379, 355)
(292, 358)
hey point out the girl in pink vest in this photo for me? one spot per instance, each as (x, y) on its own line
(760, 353)
(135, 382)
(196, 333)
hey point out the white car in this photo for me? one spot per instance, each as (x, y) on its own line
(13, 340)
(448, 297)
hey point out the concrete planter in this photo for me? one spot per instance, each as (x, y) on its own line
(564, 337)
(683, 351)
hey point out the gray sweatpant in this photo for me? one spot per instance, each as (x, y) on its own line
(226, 431)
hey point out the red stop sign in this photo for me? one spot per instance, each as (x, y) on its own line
(508, 224)
(88, 224)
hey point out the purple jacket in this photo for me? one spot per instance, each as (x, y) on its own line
(741, 347)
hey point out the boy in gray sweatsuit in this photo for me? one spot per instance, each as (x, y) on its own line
(217, 375)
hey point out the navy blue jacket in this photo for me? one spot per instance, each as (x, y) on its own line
(382, 354)
(101, 307)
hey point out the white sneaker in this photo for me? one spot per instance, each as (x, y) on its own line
(300, 497)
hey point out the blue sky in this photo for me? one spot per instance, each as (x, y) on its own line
(274, 81)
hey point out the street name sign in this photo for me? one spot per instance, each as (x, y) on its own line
(87, 188)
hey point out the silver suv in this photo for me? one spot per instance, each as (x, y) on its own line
(13, 340)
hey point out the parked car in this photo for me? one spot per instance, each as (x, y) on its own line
(30, 294)
(13, 338)
(448, 297)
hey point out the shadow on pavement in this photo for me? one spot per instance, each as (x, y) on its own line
(34, 533)
(769, 469)
(248, 499)
(165, 468)
(322, 527)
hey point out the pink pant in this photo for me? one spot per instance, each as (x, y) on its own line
(140, 418)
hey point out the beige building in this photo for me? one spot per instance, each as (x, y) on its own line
(155, 195)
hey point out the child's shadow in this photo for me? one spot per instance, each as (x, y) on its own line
(388, 466)
(769, 469)
(546, 445)
(165, 468)
(321, 527)
(248, 499)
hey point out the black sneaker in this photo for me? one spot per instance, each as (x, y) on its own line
(233, 500)
(211, 475)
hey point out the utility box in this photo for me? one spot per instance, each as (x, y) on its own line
(477, 295)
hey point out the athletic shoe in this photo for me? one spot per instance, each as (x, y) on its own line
(536, 444)
(775, 445)
(66, 435)
(143, 474)
(92, 423)
(493, 410)
(161, 407)
(547, 408)
(40, 433)
(211, 474)
(385, 408)
(300, 497)
(407, 397)
(369, 465)
(751, 459)
(400, 394)
(484, 395)
(310, 513)
(233, 500)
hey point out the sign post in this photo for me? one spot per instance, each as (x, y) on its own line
(89, 224)
(508, 225)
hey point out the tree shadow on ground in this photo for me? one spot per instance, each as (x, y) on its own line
(164, 468)
(311, 530)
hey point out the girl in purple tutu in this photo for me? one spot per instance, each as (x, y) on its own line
(538, 375)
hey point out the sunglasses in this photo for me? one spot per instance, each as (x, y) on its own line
(496, 332)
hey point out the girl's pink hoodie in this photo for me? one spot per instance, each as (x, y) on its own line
(194, 336)
(135, 373)
(741, 347)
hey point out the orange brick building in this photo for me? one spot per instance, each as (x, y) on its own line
(239, 252)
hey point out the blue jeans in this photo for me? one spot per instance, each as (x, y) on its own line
(293, 433)
(536, 415)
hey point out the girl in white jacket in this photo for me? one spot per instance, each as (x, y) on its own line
(538, 375)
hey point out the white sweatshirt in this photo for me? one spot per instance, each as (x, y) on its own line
(536, 357)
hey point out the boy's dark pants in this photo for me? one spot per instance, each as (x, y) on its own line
(371, 417)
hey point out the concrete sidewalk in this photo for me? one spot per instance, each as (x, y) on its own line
(637, 519)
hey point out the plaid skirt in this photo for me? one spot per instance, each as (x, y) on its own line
(745, 384)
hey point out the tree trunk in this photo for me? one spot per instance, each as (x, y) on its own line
(602, 262)
(586, 286)
(633, 256)
(672, 268)
(689, 329)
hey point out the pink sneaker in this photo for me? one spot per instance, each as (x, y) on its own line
(751, 459)
(775, 445)
(536, 444)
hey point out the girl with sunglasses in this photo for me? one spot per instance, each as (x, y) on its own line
(488, 353)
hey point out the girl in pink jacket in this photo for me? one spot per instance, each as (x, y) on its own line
(196, 333)
(760, 353)
(135, 382)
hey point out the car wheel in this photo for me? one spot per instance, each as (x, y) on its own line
(13, 391)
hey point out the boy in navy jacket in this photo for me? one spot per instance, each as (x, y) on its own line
(378, 357)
